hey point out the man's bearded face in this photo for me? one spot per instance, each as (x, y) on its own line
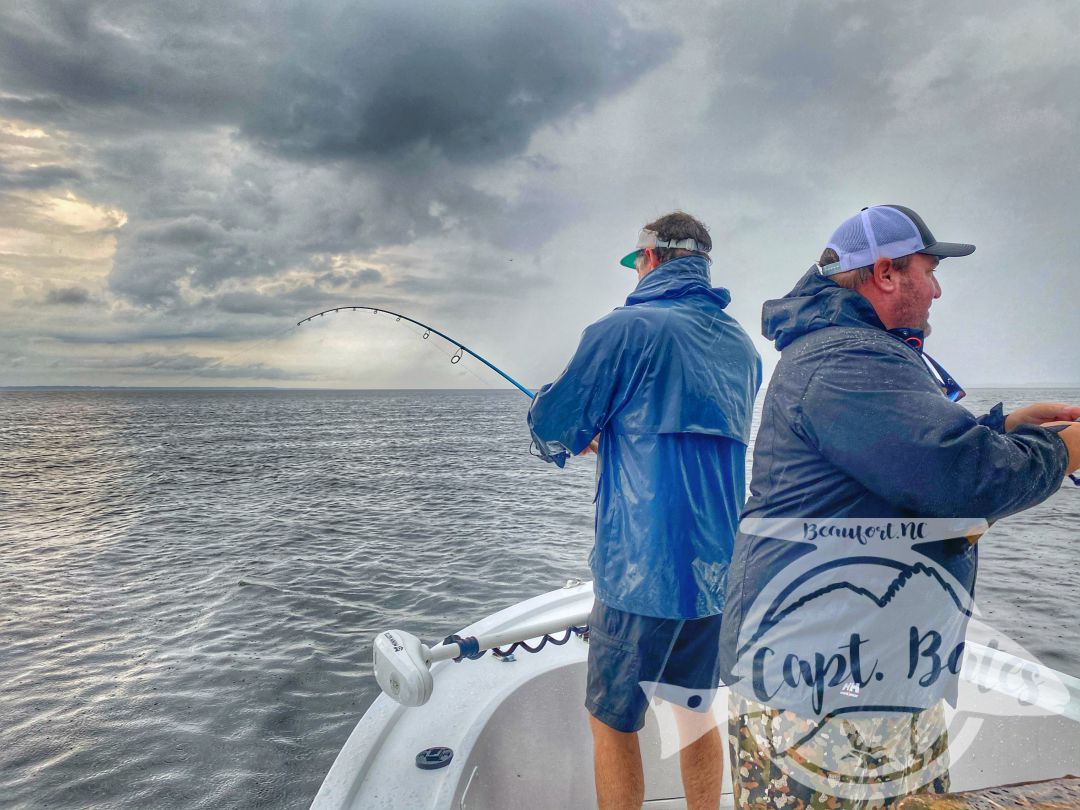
(918, 289)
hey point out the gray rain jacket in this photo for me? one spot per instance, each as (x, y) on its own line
(855, 426)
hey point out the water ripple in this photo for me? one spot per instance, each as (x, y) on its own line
(191, 580)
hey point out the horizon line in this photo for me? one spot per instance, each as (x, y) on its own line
(48, 387)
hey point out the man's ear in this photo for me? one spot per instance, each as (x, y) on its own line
(885, 275)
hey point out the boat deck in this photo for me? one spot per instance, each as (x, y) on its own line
(520, 734)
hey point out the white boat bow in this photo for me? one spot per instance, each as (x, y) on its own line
(520, 738)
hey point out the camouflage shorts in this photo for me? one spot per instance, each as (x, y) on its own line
(780, 760)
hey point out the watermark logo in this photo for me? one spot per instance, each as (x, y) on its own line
(861, 619)
(862, 668)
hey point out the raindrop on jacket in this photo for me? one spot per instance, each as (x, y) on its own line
(668, 382)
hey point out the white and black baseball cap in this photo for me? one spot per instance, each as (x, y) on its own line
(889, 232)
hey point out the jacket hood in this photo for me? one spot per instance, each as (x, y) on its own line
(688, 275)
(815, 303)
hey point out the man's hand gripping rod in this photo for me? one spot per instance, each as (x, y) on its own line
(403, 662)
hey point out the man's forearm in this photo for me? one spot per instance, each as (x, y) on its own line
(1042, 413)
(1069, 433)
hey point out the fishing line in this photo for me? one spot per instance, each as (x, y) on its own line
(201, 372)
(449, 354)
(455, 357)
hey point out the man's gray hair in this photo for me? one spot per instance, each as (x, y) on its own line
(856, 277)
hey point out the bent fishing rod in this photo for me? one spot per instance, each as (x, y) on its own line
(594, 445)
(428, 332)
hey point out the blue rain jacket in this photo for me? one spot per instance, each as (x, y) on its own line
(668, 382)
(855, 426)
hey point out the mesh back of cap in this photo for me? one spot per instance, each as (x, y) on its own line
(894, 235)
(850, 237)
(891, 226)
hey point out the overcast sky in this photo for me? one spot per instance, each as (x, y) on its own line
(180, 182)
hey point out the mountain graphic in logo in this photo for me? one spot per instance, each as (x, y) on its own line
(871, 634)
(880, 596)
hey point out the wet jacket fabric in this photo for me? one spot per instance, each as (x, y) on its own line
(855, 426)
(668, 382)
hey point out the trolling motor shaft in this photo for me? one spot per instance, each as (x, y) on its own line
(403, 662)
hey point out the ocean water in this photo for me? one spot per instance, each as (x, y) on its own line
(189, 580)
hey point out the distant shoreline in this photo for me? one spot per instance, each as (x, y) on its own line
(281, 389)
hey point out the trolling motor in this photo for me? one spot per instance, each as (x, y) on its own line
(403, 662)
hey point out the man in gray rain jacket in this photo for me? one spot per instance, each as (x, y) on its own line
(860, 428)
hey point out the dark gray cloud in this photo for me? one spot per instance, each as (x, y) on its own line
(352, 279)
(486, 281)
(67, 296)
(37, 177)
(292, 302)
(317, 79)
(478, 282)
(245, 141)
(474, 87)
(846, 90)
(171, 62)
(322, 79)
(206, 218)
(254, 303)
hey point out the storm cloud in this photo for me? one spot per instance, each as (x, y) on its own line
(212, 172)
(67, 296)
(320, 79)
(245, 142)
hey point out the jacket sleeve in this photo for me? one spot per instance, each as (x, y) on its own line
(995, 419)
(566, 414)
(878, 415)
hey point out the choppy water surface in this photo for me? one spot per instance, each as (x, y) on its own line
(189, 580)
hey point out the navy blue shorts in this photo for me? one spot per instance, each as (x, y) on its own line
(629, 653)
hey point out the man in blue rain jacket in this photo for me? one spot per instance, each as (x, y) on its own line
(861, 430)
(665, 385)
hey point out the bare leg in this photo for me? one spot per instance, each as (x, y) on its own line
(620, 783)
(701, 758)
